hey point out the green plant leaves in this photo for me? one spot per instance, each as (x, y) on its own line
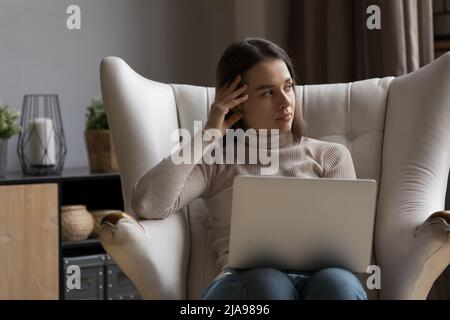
(96, 116)
(8, 122)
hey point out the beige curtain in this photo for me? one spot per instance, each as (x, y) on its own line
(329, 41)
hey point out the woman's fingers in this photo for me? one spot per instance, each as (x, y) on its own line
(235, 82)
(234, 103)
(226, 90)
(237, 93)
(226, 100)
(240, 100)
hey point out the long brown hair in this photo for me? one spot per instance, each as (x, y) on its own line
(241, 56)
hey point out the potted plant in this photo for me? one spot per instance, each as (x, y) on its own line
(8, 128)
(102, 157)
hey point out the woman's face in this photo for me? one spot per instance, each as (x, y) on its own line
(270, 97)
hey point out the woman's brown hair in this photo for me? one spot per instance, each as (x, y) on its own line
(241, 56)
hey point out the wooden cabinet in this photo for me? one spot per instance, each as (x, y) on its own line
(29, 241)
(31, 249)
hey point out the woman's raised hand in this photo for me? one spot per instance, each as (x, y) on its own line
(226, 99)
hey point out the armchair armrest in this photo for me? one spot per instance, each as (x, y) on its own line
(432, 252)
(441, 219)
(152, 253)
(113, 219)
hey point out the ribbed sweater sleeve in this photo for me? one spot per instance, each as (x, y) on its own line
(168, 186)
(338, 162)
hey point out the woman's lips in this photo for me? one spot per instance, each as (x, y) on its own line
(286, 117)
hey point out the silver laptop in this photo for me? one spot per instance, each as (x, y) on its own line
(301, 224)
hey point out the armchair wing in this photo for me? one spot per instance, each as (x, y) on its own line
(412, 240)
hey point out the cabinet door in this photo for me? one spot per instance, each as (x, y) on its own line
(29, 241)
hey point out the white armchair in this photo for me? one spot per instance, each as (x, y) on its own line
(397, 130)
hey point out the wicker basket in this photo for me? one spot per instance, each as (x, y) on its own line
(102, 156)
(76, 223)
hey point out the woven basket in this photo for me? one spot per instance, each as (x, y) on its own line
(98, 216)
(102, 156)
(76, 223)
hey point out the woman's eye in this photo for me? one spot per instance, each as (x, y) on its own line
(289, 88)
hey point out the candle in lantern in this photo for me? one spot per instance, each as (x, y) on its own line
(41, 146)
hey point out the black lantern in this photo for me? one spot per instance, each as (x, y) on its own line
(41, 146)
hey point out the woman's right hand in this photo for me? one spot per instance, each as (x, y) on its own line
(226, 99)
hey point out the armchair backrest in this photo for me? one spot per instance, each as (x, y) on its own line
(144, 114)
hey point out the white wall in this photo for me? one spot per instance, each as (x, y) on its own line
(38, 54)
(172, 41)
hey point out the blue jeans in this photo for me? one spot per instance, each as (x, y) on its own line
(274, 284)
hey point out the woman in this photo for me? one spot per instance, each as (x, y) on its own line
(255, 89)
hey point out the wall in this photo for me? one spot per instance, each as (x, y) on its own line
(184, 39)
(262, 18)
(40, 55)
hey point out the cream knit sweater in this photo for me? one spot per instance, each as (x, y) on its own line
(168, 187)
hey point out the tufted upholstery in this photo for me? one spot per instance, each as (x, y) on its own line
(397, 130)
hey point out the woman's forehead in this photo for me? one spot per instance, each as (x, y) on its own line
(267, 72)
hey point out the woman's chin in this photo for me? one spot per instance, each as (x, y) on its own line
(282, 129)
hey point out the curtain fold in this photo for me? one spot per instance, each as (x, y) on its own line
(329, 41)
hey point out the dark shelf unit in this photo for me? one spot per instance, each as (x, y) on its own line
(80, 244)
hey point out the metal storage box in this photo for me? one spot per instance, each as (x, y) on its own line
(117, 284)
(91, 277)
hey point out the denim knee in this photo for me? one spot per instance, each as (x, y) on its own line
(333, 284)
(226, 288)
(260, 284)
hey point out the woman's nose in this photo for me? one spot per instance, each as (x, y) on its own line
(285, 101)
